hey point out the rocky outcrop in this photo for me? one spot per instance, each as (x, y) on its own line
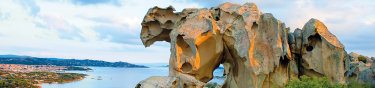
(322, 53)
(255, 48)
(158, 82)
(361, 68)
(170, 82)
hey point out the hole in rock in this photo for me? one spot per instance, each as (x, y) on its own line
(168, 24)
(183, 18)
(284, 61)
(184, 53)
(183, 48)
(163, 36)
(217, 18)
(217, 14)
(154, 27)
(218, 75)
(313, 41)
(174, 83)
(255, 25)
(309, 48)
(186, 67)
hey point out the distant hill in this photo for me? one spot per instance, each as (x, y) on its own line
(28, 60)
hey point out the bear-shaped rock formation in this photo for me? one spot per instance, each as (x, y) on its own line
(255, 48)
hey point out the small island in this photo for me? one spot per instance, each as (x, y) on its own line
(73, 68)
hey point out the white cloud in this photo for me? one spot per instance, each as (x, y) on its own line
(53, 29)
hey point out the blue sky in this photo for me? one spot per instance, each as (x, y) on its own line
(109, 29)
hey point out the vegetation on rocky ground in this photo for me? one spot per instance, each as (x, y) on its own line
(212, 85)
(16, 82)
(323, 82)
(362, 58)
(32, 79)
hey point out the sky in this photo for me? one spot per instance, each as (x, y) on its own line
(109, 29)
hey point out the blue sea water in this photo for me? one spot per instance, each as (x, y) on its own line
(110, 77)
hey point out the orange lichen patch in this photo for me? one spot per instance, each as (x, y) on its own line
(279, 42)
(323, 31)
(209, 48)
(178, 55)
(253, 62)
(197, 61)
(183, 51)
(204, 37)
(198, 43)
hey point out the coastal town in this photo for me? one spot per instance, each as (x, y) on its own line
(31, 68)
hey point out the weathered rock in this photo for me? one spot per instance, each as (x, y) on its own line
(170, 82)
(196, 42)
(367, 75)
(361, 71)
(352, 70)
(255, 48)
(158, 82)
(212, 85)
(354, 56)
(157, 25)
(298, 38)
(196, 45)
(322, 52)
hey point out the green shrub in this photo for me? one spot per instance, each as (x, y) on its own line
(312, 82)
(16, 83)
(356, 84)
(211, 85)
(323, 82)
(362, 58)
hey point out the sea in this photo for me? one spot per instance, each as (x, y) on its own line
(114, 77)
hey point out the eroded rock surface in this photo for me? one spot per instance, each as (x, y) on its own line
(360, 68)
(255, 48)
(322, 53)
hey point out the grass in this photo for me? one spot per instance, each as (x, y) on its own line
(323, 82)
(212, 85)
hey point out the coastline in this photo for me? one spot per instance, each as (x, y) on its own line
(36, 79)
(114, 77)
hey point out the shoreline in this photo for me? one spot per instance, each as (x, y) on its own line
(36, 79)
